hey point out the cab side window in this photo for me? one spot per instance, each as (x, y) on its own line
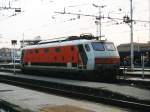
(46, 50)
(87, 47)
(36, 51)
(57, 49)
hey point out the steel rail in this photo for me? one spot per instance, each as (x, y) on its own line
(77, 92)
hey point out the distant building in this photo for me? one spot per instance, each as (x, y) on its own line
(7, 54)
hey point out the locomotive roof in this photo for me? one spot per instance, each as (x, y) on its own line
(63, 43)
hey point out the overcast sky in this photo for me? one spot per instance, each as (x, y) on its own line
(38, 18)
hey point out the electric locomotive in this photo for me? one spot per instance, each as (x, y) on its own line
(80, 54)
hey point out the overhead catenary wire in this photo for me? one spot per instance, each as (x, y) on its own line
(107, 17)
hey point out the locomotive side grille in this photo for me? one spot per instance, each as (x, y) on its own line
(113, 60)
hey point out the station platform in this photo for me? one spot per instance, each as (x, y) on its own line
(136, 68)
(126, 90)
(26, 100)
(138, 73)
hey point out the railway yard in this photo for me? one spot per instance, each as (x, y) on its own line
(27, 92)
(74, 56)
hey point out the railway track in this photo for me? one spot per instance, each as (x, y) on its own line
(85, 93)
(135, 83)
(120, 80)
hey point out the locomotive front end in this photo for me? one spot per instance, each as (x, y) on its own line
(107, 59)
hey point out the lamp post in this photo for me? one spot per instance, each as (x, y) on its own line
(14, 42)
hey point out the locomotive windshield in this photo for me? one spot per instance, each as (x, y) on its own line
(110, 46)
(98, 46)
(101, 46)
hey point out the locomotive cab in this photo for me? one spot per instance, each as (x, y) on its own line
(106, 57)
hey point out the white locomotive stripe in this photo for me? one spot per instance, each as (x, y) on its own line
(59, 44)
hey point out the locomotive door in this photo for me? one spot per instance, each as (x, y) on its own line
(22, 55)
(90, 56)
(82, 57)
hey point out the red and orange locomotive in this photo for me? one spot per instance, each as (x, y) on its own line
(82, 53)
